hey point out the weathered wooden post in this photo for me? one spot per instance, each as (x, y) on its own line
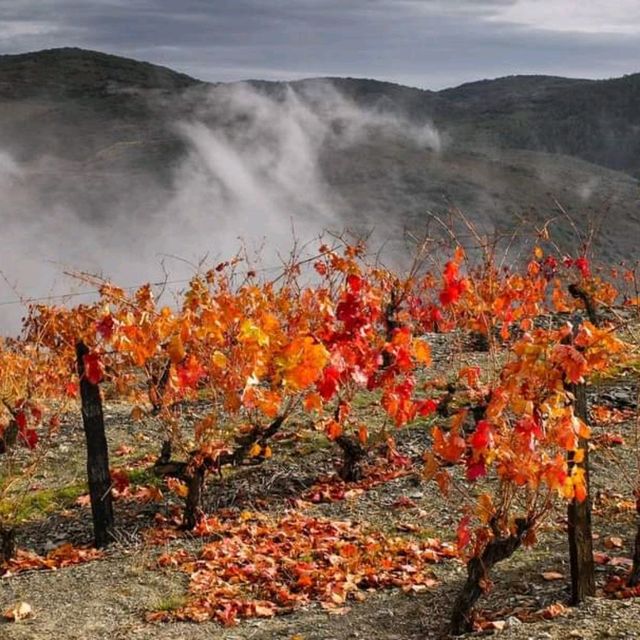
(579, 530)
(98, 475)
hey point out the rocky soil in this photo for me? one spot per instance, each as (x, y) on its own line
(108, 598)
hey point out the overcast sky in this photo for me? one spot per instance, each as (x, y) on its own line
(425, 43)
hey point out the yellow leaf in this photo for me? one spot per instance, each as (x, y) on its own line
(178, 487)
(485, 509)
(219, 360)
(250, 332)
(422, 351)
(255, 450)
(538, 253)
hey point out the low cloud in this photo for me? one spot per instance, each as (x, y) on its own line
(252, 174)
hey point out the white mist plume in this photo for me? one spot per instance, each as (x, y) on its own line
(260, 171)
(253, 170)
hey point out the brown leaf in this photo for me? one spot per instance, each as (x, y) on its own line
(552, 575)
(83, 500)
(123, 450)
(613, 542)
(621, 562)
(404, 502)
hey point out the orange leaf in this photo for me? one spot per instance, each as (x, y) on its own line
(176, 349)
(422, 351)
(613, 542)
(137, 413)
(313, 402)
(178, 487)
(333, 430)
(255, 450)
(431, 466)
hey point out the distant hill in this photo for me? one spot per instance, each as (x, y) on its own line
(72, 72)
(598, 121)
(510, 147)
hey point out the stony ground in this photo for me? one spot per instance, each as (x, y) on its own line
(108, 598)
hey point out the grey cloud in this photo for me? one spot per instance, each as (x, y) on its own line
(429, 43)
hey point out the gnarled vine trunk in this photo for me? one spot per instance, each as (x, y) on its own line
(7, 543)
(634, 576)
(196, 474)
(193, 505)
(156, 391)
(478, 569)
(353, 455)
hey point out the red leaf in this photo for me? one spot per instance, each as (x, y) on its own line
(36, 413)
(93, 369)
(29, 438)
(328, 385)
(601, 558)
(21, 420)
(71, 390)
(120, 479)
(190, 373)
(403, 502)
(320, 267)
(482, 437)
(476, 470)
(582, 265)
(354, 283)
(463, 534)
(427, 407)
(105, 327)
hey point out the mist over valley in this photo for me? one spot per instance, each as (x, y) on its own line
(135, 172)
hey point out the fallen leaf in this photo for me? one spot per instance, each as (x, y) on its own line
(403, 502)
(83, 500)
(123, 450)
(552, 575)
(621, 562)
(613, 542)
(18, 611)
(553, 611)
(137, 413)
